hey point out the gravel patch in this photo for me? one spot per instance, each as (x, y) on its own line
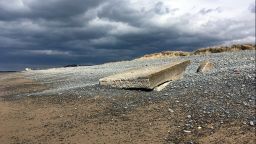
(225, 93)
(226, 65)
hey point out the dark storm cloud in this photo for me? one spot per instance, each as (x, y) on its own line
(59, 32)
(47, 9)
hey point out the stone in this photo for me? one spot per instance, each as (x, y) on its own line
(147, 77)
(170, 110)
(236, 71)
(186, 131)
(252, 123)
(205, 66)
(28, 69)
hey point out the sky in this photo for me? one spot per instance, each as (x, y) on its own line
(53, 33)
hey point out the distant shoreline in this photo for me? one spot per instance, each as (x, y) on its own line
(164, 54)
(8, 71)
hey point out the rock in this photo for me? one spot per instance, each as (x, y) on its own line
(186, 131)
(252, 123)
(245, 103)
(236, 71)
(71, 65)
(170, 110)
(205, 67)
(28, 69)
(147, 77)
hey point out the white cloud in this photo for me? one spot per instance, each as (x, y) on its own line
(115, 28)
(104, 41)
(13, 5)
(48, 52)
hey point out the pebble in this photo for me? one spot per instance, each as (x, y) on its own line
(252, 123)
(245, 103)
(236, 71)
(186, 131)
(170, 110)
